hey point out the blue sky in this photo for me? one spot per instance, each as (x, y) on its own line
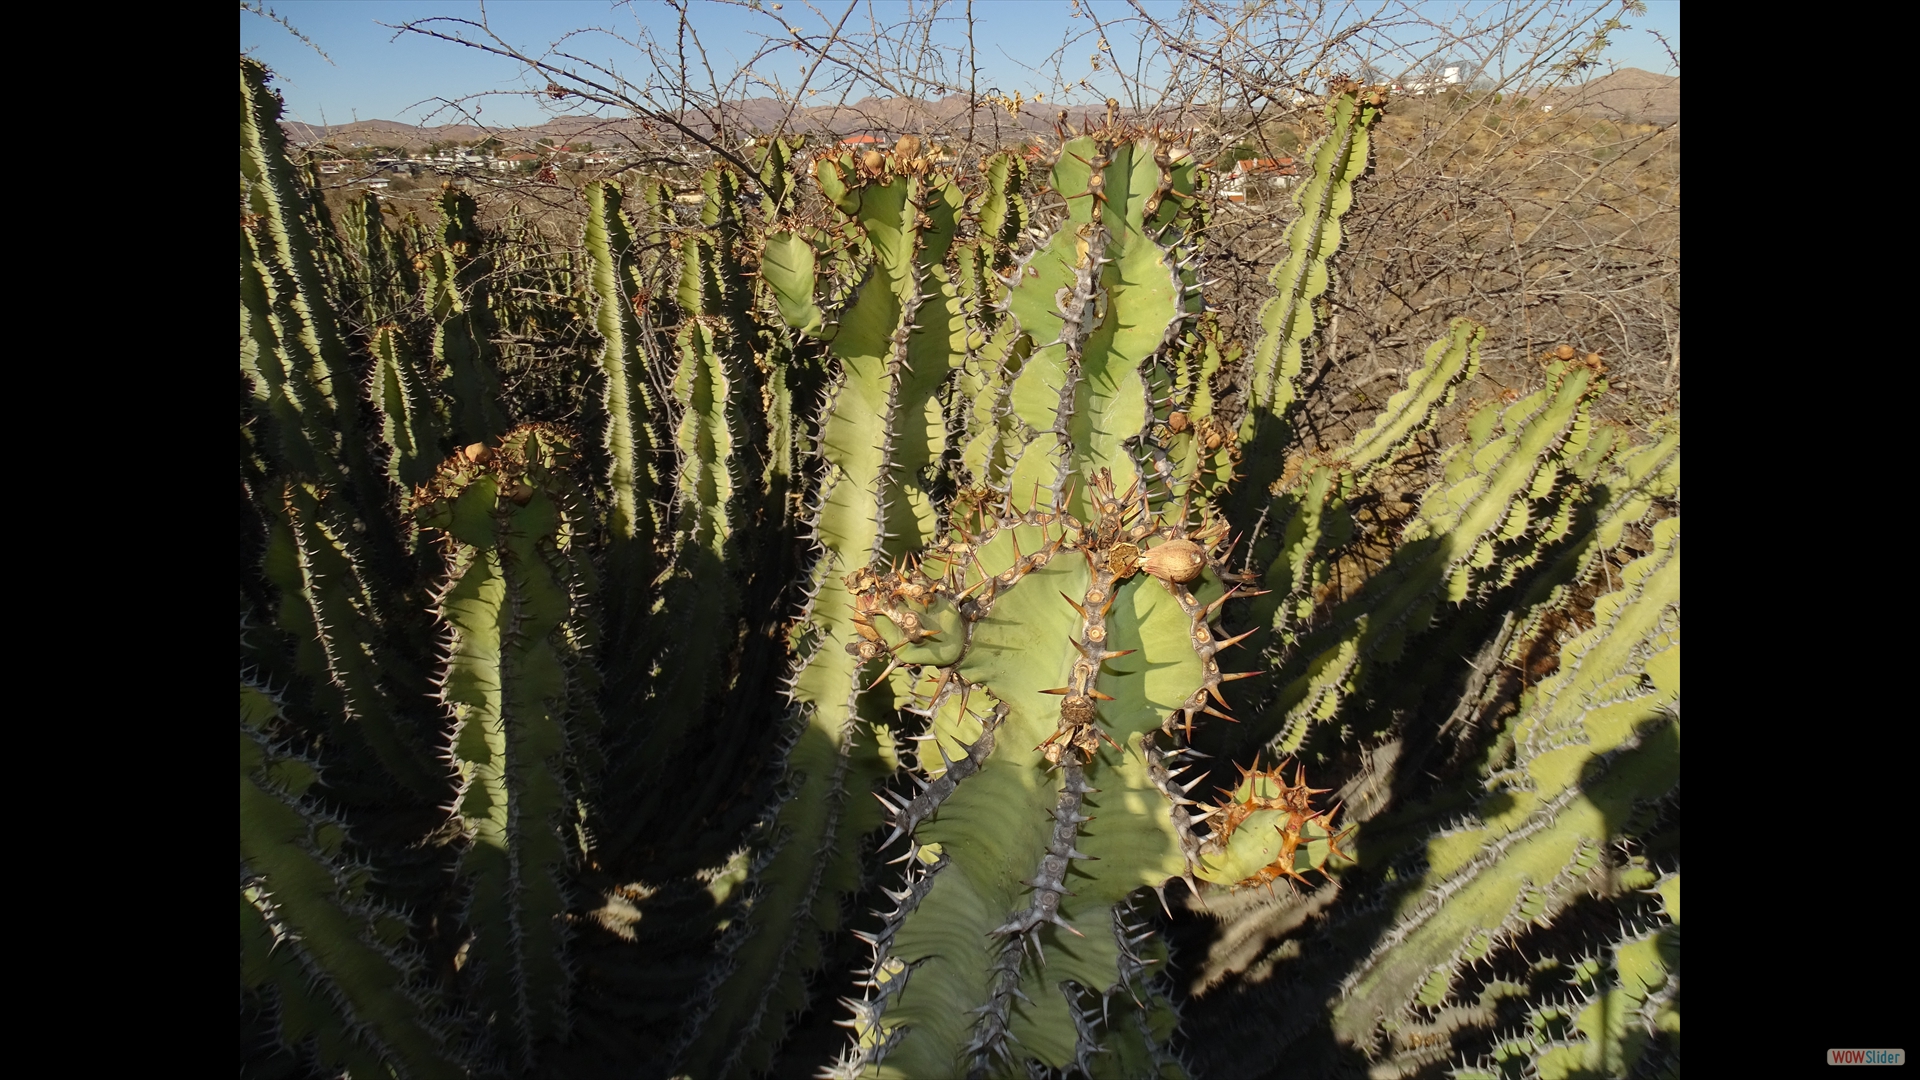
(375, 74)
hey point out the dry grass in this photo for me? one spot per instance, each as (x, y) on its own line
(1551, 230)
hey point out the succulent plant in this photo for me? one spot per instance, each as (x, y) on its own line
(964, 456)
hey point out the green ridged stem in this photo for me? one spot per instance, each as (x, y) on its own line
(984, 932)
(1630, 484)
(1287, 321)
(627, 402)
(336, 960)
(1446, 549)
(712, 281)
(1081, 390)
(872, 505)
(1034, 302)
(291, 349)
(1449, 362)
(1141, 297)
(1312, 511)
(627, 411)
(779, 180)
(1594, 740)
(992, 421)
(408, 425)
(381, 263)
(1634, 999)
(787, 265)
(699, 597)
(506, 605)
(1178, 455)
(1001, 209)
(341, 610)
(455, 277)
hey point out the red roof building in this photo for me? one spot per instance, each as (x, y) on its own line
(1268, 166)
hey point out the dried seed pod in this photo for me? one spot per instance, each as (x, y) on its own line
(1176, 561)
(1123, 559)
(521, 494)
(478, 454)
(872, 160)
(1177, 422)
(907, 147)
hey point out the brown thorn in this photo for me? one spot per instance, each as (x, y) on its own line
(1092, 693)
(1215, 606)
(940, 686)
(1076, 607)
(891, 665)
(1229, 677)
(1236, 639)
(1062, 690)
(1228, 554)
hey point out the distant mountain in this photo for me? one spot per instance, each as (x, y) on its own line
(1629, 95)
(884, 118)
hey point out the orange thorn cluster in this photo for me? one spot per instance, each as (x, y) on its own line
(1295, 801)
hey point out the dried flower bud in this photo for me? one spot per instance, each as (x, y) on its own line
(1178, 561)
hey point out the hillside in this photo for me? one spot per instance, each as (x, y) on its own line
(1629, 95)
(886, 117)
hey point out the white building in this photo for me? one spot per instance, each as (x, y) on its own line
(1436, 83)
